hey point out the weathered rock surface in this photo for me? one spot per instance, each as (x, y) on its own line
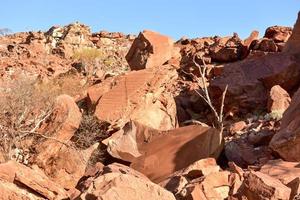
(279, 100)
(59, 161)
(125, 186)
(249, 80)
(150, 49)
(287, 172)
(259, 186)
(292, 46)
(141, 96)
(64, 40)
(287, 141)
(278, 33)
(170, 151)
(179, 179)
(16, 178)
(226, 49)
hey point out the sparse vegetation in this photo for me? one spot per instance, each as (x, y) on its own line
(25, 104)
(89, 58)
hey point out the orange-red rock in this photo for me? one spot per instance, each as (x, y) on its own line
(150, 49)
(249, 80)
(293, 46)
(178, 180)
(259, 186)
(63, 164)
(216, 185)
(237, 127)
(22, 177)
(176, 149)
(121, 186)
(287, 172)
(278, 33)
(140, 96)
(286, 142)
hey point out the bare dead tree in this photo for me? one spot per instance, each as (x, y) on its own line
(204, 94)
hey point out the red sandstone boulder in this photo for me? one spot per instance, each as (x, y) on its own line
(267, 45)
(62, 163)
(227, 49)
(287, 172)
(279, 100)
(287, 141)
(200, 168)
(122, 186)
(141, 96)
(278, 33)
(237, 127)
(259, 186)
(216, 185)
(150, 49)
(15, 179)
(164, 153)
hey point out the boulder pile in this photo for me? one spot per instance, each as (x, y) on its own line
(210, 118)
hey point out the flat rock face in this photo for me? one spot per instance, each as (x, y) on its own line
(141, 96)
(150, 49)
(287, 141)
(173, 150)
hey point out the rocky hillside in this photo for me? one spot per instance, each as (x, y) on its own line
(122, 117)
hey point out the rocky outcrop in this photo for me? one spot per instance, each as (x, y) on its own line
(278, 33)
(149, 50)
(249, 80)
(64, 40)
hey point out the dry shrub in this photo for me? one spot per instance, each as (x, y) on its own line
(22, 108)
(89, 57)
(92, 131)
(90, 60)
(24, 104)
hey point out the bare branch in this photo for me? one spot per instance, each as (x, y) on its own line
(222, 105)
(26, 133)
(206, 96)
